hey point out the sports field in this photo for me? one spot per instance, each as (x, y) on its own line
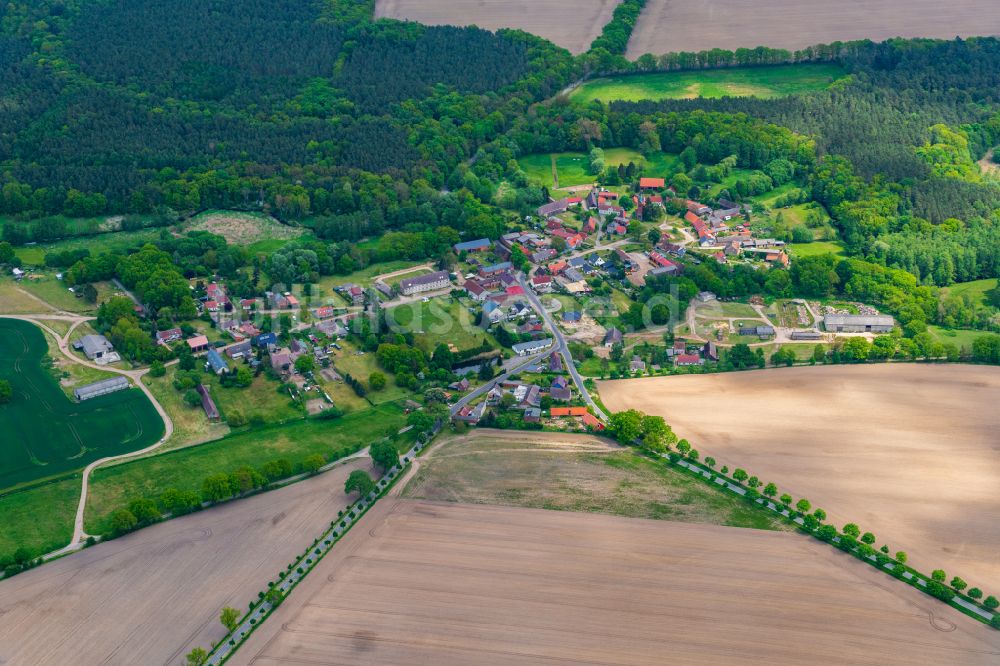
(667, 25)
(572, 26)
(43, 433)
(908, 452)
(151, 596)
(765, 82)
(454, 584)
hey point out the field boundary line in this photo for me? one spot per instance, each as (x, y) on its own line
(314, 554)
(881, 562)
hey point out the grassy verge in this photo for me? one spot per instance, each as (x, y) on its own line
(114, 486)
(39, 518)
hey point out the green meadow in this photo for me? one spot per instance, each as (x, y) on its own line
(765, 82)
(573, 169)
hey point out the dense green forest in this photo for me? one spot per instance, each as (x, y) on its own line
(313, 111)
(132, 106)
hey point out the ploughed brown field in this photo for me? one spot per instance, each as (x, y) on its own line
(150, 597)
(697, 25)
(909, 452)
(572, 25)
(419, 582)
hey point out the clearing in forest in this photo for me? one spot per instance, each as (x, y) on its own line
(766, 82)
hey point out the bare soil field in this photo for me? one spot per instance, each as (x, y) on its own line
(570, 25)
(451, 584)
(573, 472)
(909, 452)
(150, 597)
(698, 25)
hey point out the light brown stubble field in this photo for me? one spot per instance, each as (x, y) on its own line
(570, 25)
(909, 452)
(419, 582)
(150, 597)
(698, 25)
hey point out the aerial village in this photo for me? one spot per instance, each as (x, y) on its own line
(573, 271)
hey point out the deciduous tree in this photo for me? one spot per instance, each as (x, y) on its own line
(359, 481)
(229, 617)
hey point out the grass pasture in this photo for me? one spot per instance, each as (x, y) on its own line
(191, 426)
(836, 248)
(15, 300)
(43, 433)
(975, 290)
(573, 168)
(55, 293)
(765, 82)
(262, 400)
(441, 320)
(113, 486)
(117, 241)
(960, 337)
(39, 518)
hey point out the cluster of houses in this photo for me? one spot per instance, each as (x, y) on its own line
(525, 397)
(727, 232)
(681, 354)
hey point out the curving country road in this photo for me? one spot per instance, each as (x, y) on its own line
(79, 536)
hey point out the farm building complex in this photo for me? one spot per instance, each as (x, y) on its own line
(103, 387)
(839, 323)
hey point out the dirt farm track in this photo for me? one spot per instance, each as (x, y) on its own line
(698, 25)
(570, 25)
(909, 452)
(453, 584)
(149, 597)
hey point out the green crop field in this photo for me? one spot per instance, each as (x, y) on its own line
(43, 433)
(766, 82)
(185, 469)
